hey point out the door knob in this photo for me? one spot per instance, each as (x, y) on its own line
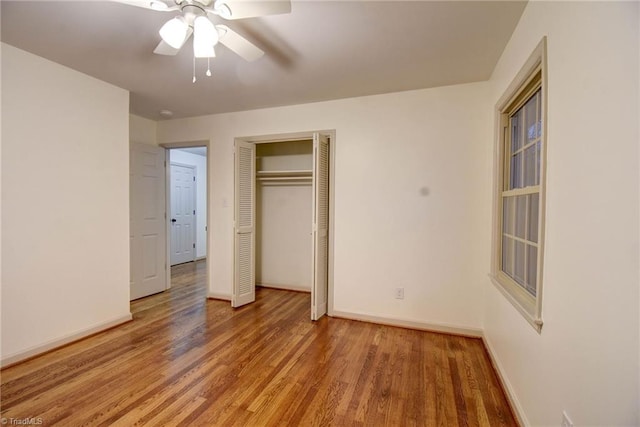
(173, 220)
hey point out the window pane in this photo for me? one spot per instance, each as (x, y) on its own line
(538, 154)
(521, 215)
(507, 215)
(531, 111)
(518, 273)
(516, 171)
(532, 225)
(539, 115)
(516, 131)
(530, 166)
(532, 269)
(507, 255)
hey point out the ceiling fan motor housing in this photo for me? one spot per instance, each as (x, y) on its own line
(191, 10)
(202, 3)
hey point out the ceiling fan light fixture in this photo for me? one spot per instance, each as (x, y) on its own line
(174, 32)
(205, 36)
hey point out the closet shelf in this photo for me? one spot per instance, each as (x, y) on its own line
(286, 175)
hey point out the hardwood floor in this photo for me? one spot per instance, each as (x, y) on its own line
(185, 360)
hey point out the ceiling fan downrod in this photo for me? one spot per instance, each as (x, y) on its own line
(219, 7)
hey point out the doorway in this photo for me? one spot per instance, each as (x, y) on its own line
(187, 202)
(150, 212)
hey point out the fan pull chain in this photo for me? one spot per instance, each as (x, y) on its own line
(208, 67)
(194, 69)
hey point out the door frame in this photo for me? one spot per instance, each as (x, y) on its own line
(186, 144)
(295, 136)
(194, 231)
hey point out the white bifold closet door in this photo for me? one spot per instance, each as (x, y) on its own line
(244, 291)
(320, 225)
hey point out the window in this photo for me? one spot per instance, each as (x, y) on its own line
(519, 198)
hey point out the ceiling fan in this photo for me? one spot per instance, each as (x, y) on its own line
(195, 18)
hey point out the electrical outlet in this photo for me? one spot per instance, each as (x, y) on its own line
(399, 293)
(566, 421)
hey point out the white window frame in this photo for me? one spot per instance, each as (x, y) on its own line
(516, 94)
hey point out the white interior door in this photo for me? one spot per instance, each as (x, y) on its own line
(183, 214)
(320, 226)
(244, 287)
(147, 220)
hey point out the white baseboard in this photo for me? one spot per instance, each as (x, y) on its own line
(215, 295)
(59, 342)
(516, 407)
(286, 287)
(411, 324)
(200, 258)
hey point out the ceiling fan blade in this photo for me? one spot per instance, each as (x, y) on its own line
(151, 4)
(241, 9)
(241, 46)
(164, 48)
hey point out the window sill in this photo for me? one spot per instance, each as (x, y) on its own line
(524, 306)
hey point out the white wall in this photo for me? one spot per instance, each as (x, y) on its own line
(284, 218)
(65, 203)
(586, 359)
(1, 81)
(200, 162)
(283, 236)
(142, 130)
(389, 150)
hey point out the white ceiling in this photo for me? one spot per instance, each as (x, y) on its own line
(322, 50)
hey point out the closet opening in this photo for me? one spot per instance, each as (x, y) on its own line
(282, 217)
(284, 233)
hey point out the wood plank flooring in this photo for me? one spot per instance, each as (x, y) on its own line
(185, 360)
